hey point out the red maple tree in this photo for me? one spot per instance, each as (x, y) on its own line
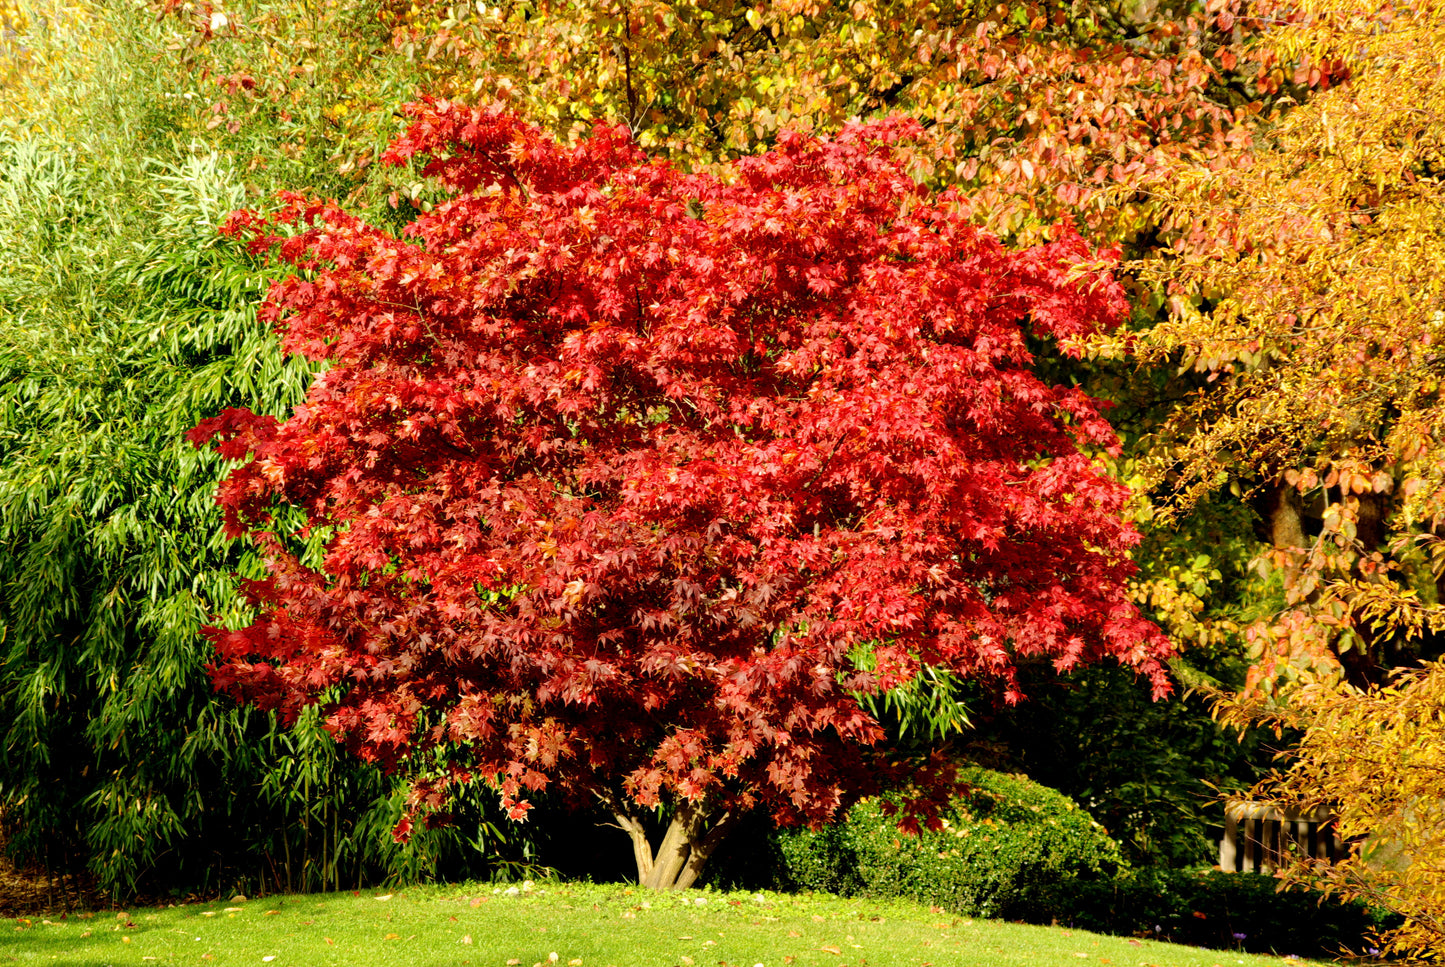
(628, 483)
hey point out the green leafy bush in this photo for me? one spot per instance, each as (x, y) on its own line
(1207, 908)
(1005, 841)
(1018, 850)
(1150, 772)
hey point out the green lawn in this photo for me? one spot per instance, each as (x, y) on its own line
(572, 924)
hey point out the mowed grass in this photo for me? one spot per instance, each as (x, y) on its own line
(581, 925)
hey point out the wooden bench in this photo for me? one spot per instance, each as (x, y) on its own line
(1259, 838)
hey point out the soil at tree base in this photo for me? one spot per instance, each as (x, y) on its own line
(24, 891)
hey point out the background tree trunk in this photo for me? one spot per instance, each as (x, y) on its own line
(1286, 530)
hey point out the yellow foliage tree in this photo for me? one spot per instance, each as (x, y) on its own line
(1038, 108)
(1376, 757)
(12, 52)
(1308, 283)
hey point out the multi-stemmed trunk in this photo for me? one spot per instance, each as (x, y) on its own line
(690, 839)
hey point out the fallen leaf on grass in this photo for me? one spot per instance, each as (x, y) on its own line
(513, 962)
(392, 936)
(272, 913)
(467, 938)
(1135, 943)
(794, 933)
(328, 940)
(125, 940)
(387, 897)
(268, 958)
(830, 950)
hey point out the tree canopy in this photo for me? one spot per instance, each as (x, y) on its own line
(1312, 295)
(631, 481)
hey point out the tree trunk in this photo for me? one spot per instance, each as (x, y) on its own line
(686, 845)
(1362, 666)
(1369, 665)
(1286, 532)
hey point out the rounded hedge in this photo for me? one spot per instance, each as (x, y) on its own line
(1004, 844)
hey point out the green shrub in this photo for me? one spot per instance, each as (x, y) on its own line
(1018, 850)
(1207, 908)
(1003, 843)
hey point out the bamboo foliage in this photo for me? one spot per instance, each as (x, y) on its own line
(119, 326)
(124, 320)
